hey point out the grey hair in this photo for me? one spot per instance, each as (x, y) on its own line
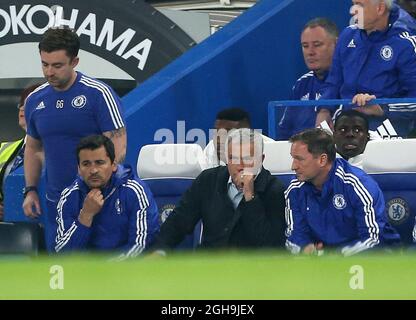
(245, 135)
(328, 25)
(388, 3)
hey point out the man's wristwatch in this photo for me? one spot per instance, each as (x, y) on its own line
(26, 190)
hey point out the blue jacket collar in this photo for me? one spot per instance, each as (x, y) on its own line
(323, 79)
(399, 21)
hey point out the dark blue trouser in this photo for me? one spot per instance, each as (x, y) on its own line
(50, 225)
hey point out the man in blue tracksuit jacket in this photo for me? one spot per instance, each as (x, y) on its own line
(107, 207)
(376, 59)
(296, 119)
(332, 203)
(318, 40)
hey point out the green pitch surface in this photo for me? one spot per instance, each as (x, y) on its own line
(268, 275)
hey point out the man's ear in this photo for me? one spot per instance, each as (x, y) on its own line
(381, 8)
(323, 159)
(74, 62)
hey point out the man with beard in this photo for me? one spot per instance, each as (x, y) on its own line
(68, 107)
(107, 207)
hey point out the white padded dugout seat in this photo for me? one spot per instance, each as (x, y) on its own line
(392, 163)
(387, 156)
(169, 161)
(278, 160)
(169, 170)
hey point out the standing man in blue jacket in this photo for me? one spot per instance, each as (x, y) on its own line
(318, 39)
(68, 107)
(375, 58)
(332, 203)
(107, 207)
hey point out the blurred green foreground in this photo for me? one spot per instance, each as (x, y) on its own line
(220, 275)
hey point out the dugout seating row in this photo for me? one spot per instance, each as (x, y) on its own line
(170, 169)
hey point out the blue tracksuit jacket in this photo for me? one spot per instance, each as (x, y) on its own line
(297, 119)
(348, 213)
(127, 222)
(382, 63)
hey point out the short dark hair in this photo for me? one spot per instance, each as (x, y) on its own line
(61, 38)
(25, 93)
(234, 114)
(318, 141)
(328, 25)
(352, 113)
(95, 142)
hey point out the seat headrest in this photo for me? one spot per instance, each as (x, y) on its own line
(385, 156)
(169, 161)
(277, 157)
(21, 238)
